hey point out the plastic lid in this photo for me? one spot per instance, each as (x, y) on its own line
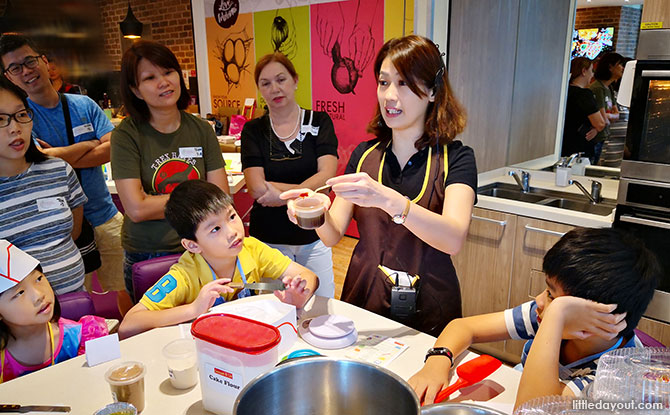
(236, 333)
(331, 326)
(179, 349)
(125, 373)
(308, 204)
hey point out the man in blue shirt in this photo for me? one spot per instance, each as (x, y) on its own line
(28, 69)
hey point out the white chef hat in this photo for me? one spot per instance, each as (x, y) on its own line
(15, 265)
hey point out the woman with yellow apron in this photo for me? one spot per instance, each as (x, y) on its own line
(411, 191)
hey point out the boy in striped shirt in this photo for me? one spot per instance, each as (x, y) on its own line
(599, 282)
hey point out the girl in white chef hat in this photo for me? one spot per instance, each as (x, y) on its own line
(32, 333)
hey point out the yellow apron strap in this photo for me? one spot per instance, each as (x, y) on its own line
(53, 348)
(2, 364)
(446, 164)
(360, 162)
(425, 179)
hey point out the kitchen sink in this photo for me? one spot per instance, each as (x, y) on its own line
(553, 198)
(509, 192)
(602, 209)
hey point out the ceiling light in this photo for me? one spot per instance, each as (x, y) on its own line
(130, 26)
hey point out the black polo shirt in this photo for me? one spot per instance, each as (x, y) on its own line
(409, 179)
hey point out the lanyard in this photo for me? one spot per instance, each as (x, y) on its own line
(53, 357)
(594, 356)
(245, 291)
(242, 293)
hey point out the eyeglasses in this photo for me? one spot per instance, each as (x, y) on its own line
(29, 62)
(24, 117)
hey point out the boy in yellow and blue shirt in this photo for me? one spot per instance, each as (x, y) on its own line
(217, 253)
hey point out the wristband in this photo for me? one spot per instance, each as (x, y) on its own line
(440, 351)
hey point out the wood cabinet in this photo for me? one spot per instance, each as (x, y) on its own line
(656, 329)
(656, 11)
(484, 266)
(500, 266)
(534, 237)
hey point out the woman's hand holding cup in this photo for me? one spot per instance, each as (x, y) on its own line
(306, 208)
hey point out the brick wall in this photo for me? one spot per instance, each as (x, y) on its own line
(625, 20)
(165, 21)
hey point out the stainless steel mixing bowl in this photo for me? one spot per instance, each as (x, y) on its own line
(326, 386)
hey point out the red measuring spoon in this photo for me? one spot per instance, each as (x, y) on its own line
(469, 373)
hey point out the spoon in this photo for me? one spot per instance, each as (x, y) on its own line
(317, 190)
(469, 373)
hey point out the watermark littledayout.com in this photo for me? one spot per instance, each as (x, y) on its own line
(591, 405)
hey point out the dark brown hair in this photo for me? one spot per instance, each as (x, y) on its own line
(33, 154)
(578, 65)
(274, 57)
(418, 61)
(10, 42)
(603, 71)
(606, 266)
(160, 56)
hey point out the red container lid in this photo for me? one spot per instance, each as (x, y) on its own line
(236, 333)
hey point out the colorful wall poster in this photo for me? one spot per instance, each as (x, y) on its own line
(231, 62)
(286, 31)
(345, 38)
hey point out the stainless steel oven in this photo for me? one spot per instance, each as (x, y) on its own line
(648, 134)
(643, 209)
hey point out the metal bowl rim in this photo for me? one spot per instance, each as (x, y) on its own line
(462, 405)
(308, 359)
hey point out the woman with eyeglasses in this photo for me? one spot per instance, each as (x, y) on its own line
(287, 148)
(41, 201)
(155, 149)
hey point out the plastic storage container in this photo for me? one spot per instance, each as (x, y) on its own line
(232, 350)
(634, 374)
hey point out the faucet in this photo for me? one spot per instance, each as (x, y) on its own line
(594, 196)
(573, 158)
(568, 160)
(524, 181)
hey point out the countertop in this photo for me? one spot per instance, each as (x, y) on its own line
(83, 388)
(545, 180)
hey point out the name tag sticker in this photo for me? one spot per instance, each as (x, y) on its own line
(190, 152)
(51, 203)
(82, 129)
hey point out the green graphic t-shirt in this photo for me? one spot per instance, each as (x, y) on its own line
(161, 162)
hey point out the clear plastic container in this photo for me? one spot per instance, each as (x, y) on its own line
(559, 405)
(126, 380)
(182, 363)
(634, 374)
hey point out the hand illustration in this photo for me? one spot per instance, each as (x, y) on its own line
(361, 46)
(329, 29)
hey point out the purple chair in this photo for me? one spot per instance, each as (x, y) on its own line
(75, 305)
(146, 273)
(647, 340)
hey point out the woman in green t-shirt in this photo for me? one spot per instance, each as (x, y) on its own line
(608, 69)
(156, 148)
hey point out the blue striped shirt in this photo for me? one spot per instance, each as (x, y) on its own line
(36, 216)
(521, 322)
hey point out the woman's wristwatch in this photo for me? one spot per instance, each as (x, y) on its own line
(440, 351)
(400, 218)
